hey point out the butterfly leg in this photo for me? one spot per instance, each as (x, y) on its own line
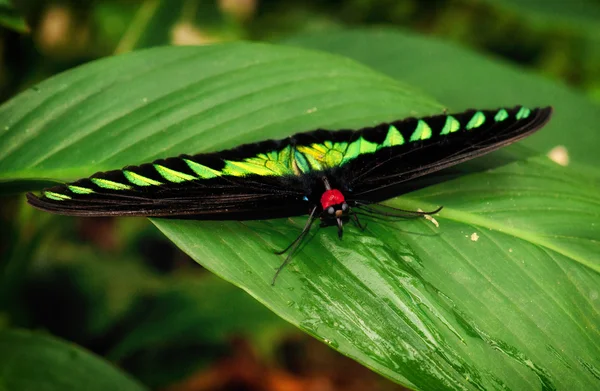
(357, 222)
(294, 245)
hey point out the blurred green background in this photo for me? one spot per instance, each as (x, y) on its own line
(116, 286)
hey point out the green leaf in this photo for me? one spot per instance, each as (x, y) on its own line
(155, 103)
(462, 79)
(10, 18)
(187, 325)
(37, 362)
(504, 294)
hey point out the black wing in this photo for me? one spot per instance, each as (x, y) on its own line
(177, 192)
(447, 141)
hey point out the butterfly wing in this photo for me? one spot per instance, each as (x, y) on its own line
(191, 186)
(427, 145)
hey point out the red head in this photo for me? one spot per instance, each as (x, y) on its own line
(331, 197)
(334, 206)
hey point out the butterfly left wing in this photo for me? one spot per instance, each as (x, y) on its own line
(176, 187)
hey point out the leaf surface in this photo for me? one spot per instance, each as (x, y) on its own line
(167, 101)
(31, 361)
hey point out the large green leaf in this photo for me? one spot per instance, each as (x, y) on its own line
(155, 103)
(462, 79)
(502, 295)
(37, 362)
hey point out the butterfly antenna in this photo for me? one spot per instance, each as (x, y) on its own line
(368, 208)
(306, 227)
(294, 245)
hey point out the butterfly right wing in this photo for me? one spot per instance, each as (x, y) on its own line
(427, 145)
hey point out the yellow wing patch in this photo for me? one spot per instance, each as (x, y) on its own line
(321, 156)
(268, 164)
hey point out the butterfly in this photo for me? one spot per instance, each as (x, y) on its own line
(328, 175)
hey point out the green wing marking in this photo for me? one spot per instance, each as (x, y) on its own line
(422, 132)
(202, 171)
(80, 190)
(327, 154)
(501, 115)
(284, 159)
(110, 185)
(249, 166)
(359, 147)
(56, 196)
(140, 180)
(278, 162)
(523, 113)
(272, 163)
(393, 138)
(451, 125)
(476, 121)
(172, 175)
(335, 153)
(299, 163)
